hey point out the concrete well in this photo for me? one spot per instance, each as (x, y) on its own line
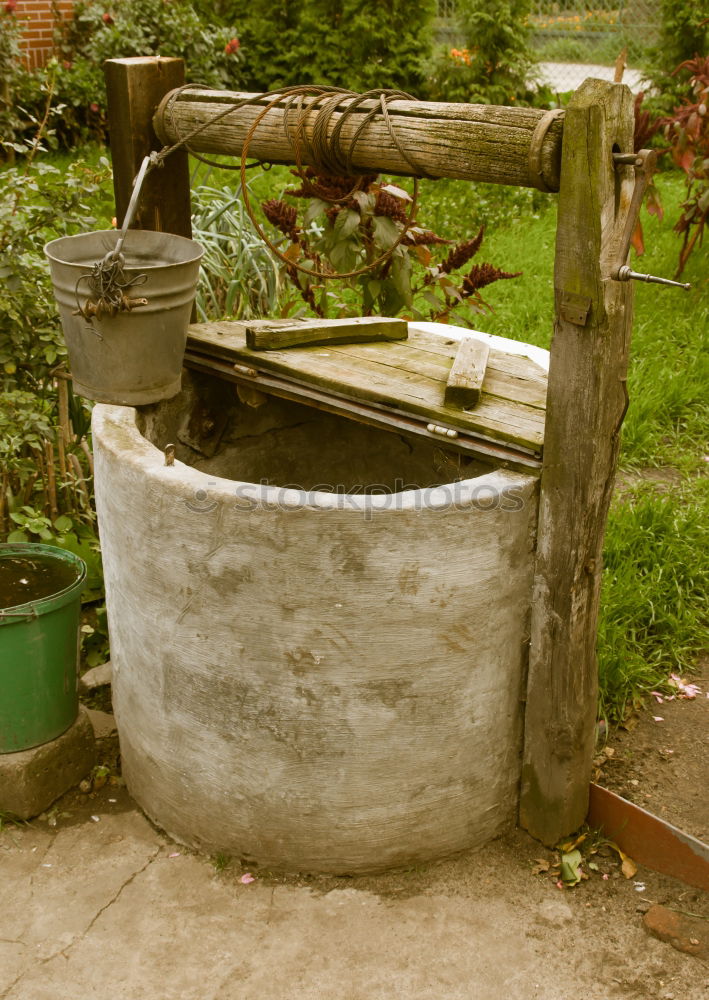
(326, 677)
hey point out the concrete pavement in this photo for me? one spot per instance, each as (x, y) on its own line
(102, 906)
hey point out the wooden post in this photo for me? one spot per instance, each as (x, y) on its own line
(586, 403)
(135, 87)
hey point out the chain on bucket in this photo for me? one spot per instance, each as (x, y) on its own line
(107, 282)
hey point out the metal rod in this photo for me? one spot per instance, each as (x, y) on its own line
(631, 159)
(626, 273)
(132, 205)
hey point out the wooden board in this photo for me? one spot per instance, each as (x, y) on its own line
(466, 377)
(273, 335)
(410, 375)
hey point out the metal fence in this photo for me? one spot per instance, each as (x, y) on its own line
(568, 34)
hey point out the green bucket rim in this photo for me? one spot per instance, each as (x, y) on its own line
(33, 609)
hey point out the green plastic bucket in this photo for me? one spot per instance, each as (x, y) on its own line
(40, 608)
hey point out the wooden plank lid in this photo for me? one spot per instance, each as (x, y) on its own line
(404, 376)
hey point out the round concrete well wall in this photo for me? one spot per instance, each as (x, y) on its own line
(312, 673)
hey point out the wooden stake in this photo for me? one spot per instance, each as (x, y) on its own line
(586, 403)
(4, 485)
(135, 87)
(51, 480)
(89, 457)
(63, 407)
(41, 470)
(63, 484)
(620, 64)
(28, 487)
(80, 481)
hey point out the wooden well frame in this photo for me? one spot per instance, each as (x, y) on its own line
(569, 152)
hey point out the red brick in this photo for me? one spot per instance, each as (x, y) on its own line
(38, 22)
(685, 933)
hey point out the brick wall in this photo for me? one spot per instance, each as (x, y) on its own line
(38, 20)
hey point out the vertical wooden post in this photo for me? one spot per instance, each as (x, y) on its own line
(135, 87)
(586, 404)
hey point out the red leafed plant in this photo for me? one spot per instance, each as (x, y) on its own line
(687, 132)
(385, 262)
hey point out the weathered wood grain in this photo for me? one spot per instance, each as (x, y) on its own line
(134, 87)
(266, 335)
(467, 141)
(466, 376)
(586, 406)
(393, 374)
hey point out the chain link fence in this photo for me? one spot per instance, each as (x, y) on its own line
(569, 36)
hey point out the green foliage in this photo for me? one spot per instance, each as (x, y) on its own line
(356, 44)
(10, 62)
(656, 578)
(221, 861)
(685, 33)
(687, 131)
(95, 639)
(45, 465)
(496, 61)
(38, 202)
(97, 30)
(239, 278)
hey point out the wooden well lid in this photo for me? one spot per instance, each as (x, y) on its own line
(400, 383)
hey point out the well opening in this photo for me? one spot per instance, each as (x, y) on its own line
(218, 430)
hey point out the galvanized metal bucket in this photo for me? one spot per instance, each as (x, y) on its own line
(132, 357)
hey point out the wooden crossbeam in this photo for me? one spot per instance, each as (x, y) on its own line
(500, 145)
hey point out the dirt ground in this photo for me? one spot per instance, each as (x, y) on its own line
(661, 761)
(102, 905)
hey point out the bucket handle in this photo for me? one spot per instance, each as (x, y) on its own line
(132, 206)
(27, 616)
(106, 279)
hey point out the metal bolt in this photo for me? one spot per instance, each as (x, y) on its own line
(632, 159)
(626, 273)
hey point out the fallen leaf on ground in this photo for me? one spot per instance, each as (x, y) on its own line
(571, 873)
(247, 877)
(628, 866)
(571, 844)
(540, 866)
